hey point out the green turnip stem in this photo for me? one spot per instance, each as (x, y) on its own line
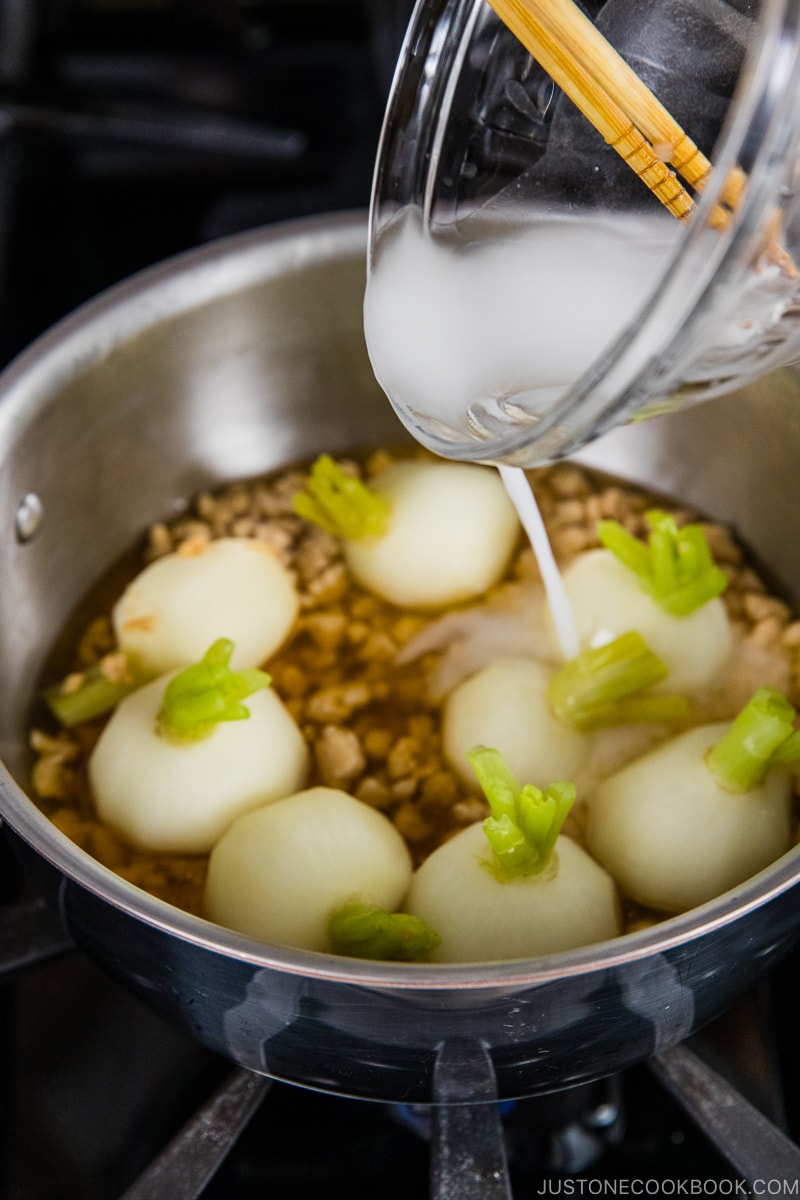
(525, 821)
(601, 687)
(205, 694)
(341, 504)
(675, 567)
(95, 696)
(788, 751)
(760, 738)
(363, 931)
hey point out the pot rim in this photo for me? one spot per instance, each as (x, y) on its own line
(177, 285)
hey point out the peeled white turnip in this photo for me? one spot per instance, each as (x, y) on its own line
(505, 706)
(178, 605)
(423, 534)
(607, 601)
(510, 887)
(280, 873)
(177, 792)
(700, 813)
(479, 919)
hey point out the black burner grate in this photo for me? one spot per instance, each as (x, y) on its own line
(94, 1086)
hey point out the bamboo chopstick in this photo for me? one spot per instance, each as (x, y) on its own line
(609, 119)
(625, 112)
(565, 22)
(613, 97)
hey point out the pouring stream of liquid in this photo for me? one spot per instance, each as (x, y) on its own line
(521, 495)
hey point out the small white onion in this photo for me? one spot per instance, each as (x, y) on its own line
(573, 902)
(673, 837)
(452, 530)
(279, 873)
(607, 600)
(236, 588)
(180, 798)
(504, 706)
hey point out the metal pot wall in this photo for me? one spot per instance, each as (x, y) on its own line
(232, 361)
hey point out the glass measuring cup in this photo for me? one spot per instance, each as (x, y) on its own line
(525, 290)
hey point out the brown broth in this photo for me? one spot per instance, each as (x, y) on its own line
(373, 727)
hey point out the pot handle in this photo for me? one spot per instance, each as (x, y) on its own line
(468, 1155)
(755, 1147)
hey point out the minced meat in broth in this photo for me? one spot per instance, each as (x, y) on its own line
(372, 723)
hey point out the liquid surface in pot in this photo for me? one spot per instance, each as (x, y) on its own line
(366, 681)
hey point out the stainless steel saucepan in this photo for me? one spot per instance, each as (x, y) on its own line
(235, 360)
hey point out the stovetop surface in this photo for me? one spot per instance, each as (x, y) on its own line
(102, 173)
(95, 1084)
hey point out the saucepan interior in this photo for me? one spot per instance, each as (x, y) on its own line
(232, 361)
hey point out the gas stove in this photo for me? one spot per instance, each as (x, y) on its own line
(102, 1098)
(130, 131)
